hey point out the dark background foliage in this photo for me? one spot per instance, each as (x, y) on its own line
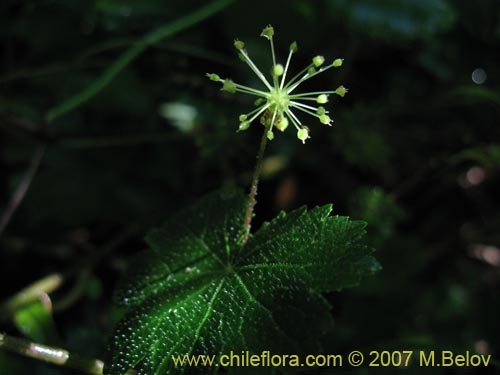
(414, 151)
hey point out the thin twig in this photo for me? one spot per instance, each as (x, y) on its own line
(119, 141)
(54, 68)
(32, 292)
(78, 63)
(51, 355)
(23, 129)
(77, 291)
(253, 189)
(22, 188)
(132, 53)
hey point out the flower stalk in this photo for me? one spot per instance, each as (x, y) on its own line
(253, 189)
(276, 103)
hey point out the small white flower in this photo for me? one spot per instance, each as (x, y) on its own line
(274, 106)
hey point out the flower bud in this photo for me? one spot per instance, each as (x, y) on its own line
(341, 91)
(337, 62)
(244, 125)
(293, 47)
(318, 61)
(282, 124)
(229, 86)
(325, 119)
(243, 118)
(213, 77)
(321, 111)
(303, 134)
(239, 44)
(268, 32)
(322, 99)
(270, 135)
(278, 70)
(259, 101)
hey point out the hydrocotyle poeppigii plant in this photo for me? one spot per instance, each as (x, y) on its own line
(275, 105)
(208, 287)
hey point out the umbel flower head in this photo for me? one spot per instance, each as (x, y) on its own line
(274, 106)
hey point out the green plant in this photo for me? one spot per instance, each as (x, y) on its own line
(108, 127)
(209, 286)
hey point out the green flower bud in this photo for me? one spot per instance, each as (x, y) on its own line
(311, 70)
(268, 32)
(244, 125)
(243, 118)
(325, 119)
(229, 86)
(318, 61)
(322, 99)
(282, 124)
(278, 70)
(303, 134)
(293, 47)
(259, 101)
(337, 62)
(270, 135)
(213, 77)
(321, 111)
(239, 44)
(341, 91)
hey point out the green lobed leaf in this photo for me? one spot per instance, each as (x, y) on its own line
(200, 292)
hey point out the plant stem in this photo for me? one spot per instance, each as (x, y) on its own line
(253, 189)
(118, 141)
(22, 188)
(29, 294)
(132, 53)
(52, 355)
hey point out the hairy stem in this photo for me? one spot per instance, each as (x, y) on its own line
(253, 189)
(51, 355)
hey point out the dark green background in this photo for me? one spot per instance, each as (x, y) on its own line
(407, 141)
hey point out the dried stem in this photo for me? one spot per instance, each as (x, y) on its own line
(253, 189)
